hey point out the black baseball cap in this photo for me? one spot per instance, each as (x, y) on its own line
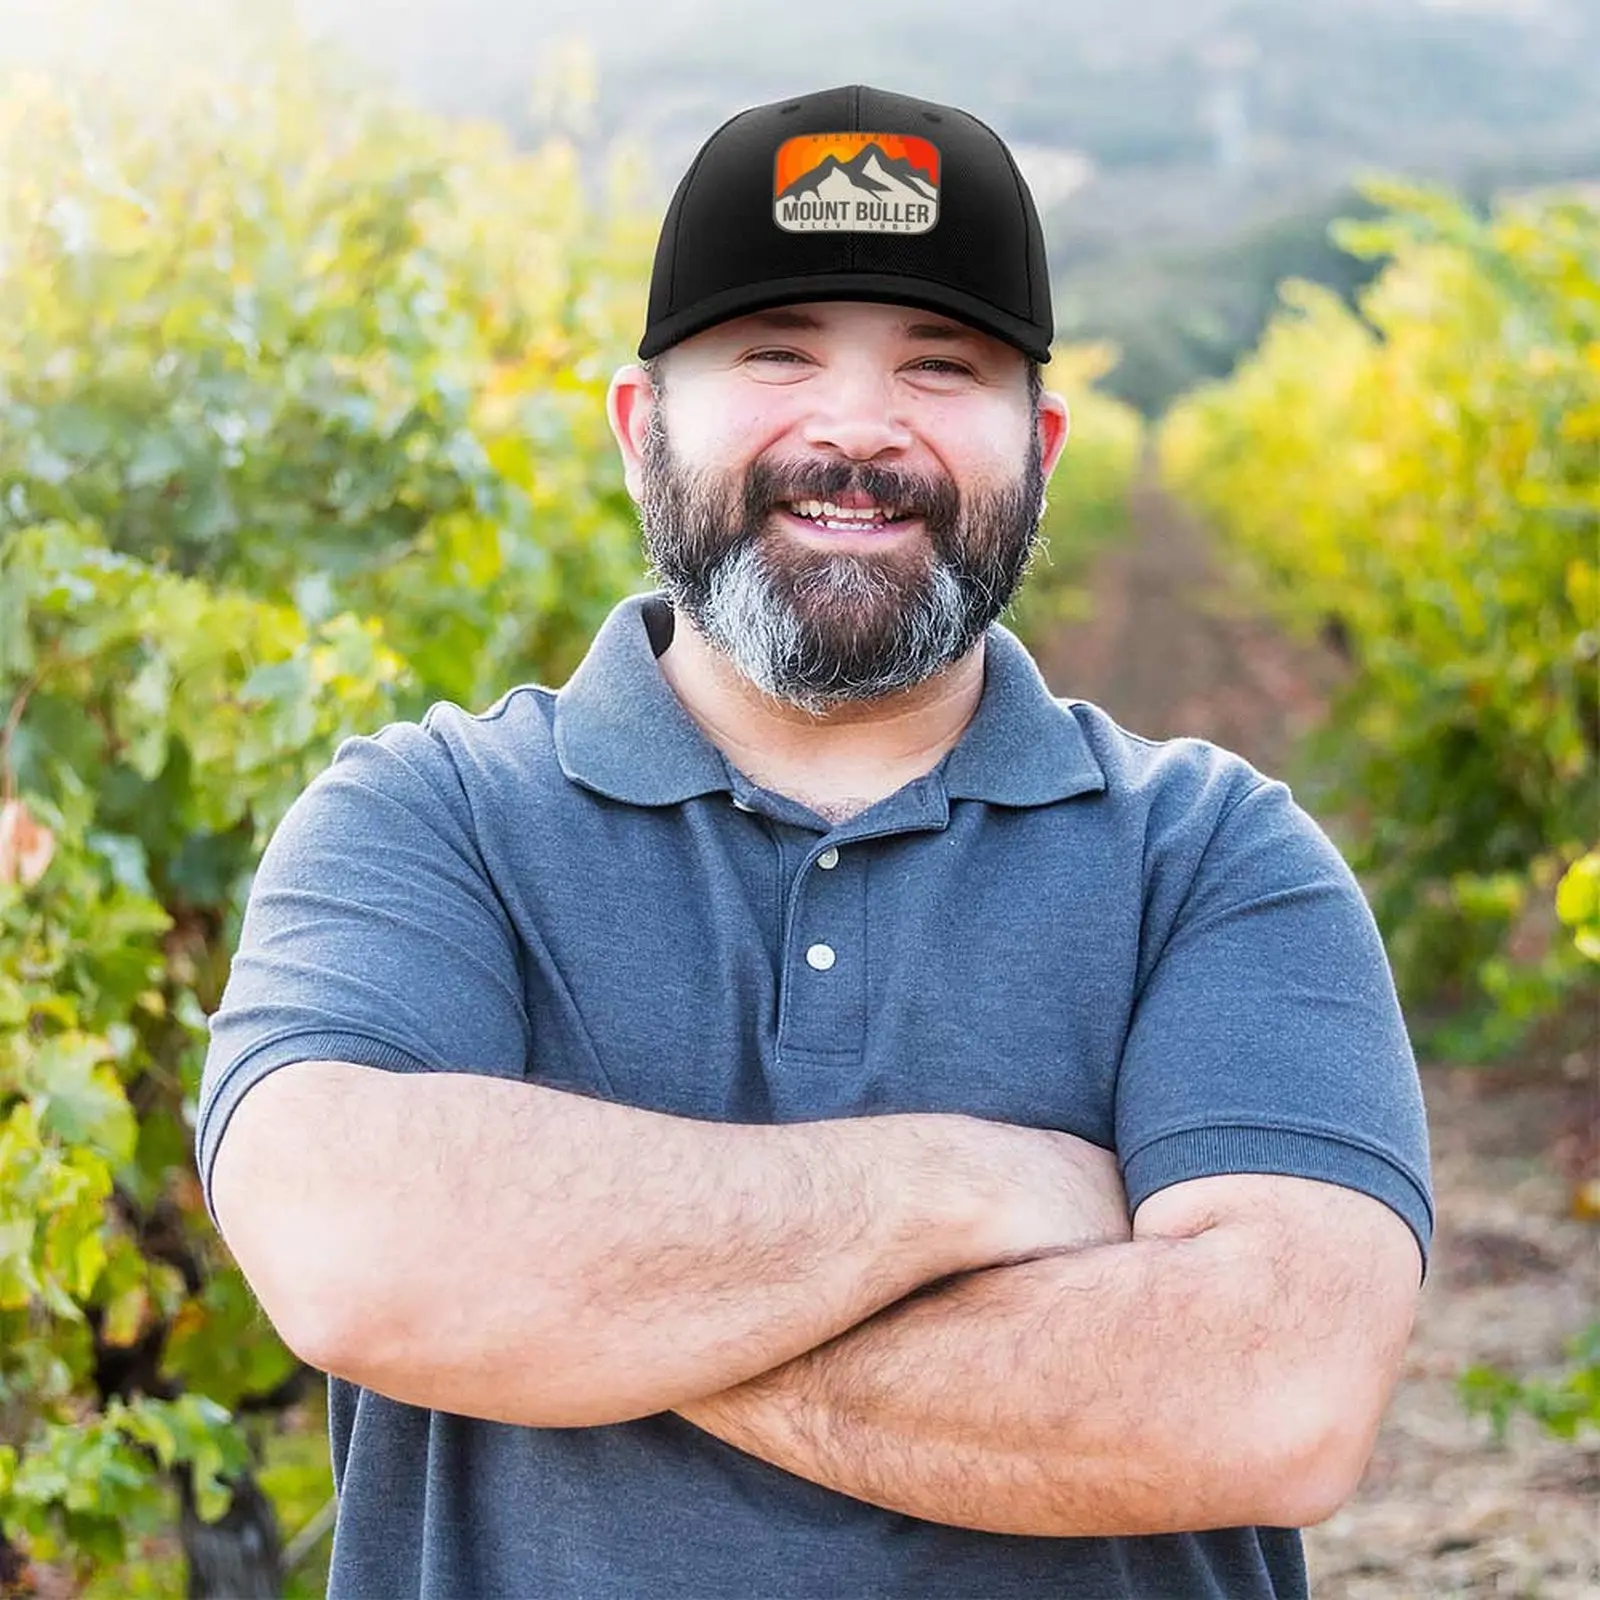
(852, 194)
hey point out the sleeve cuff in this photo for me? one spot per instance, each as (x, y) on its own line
(266, 1058)
(1210, 1152)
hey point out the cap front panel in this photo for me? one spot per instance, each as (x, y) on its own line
(856, 183)
(728, 234)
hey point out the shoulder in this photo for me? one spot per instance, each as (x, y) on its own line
(1186, 784)
(1207, 821)
(454, 757)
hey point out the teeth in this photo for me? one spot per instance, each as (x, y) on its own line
(826, 510)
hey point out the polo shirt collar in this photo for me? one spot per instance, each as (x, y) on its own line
(622, 732)
(1022, 746)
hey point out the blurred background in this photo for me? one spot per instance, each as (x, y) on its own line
(307, 312)
(1186, 154)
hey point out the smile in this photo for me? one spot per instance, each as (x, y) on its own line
(828, 517)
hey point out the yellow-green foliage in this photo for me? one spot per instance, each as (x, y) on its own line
(301, 427)
(1423, 480)
(326, 348)
(1578, 903)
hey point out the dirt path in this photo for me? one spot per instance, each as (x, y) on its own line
(1170, 648)
(1441, 1512)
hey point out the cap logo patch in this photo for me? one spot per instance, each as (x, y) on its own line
(856, 183)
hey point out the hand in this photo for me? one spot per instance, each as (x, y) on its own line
(1042, 1193)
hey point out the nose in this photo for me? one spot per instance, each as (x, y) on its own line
(856, 413)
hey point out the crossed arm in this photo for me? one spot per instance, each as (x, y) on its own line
(947, 1317)
(1227, 1366)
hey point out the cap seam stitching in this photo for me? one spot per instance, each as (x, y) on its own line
(1022, 202)
(685, 190)
(1027, 241)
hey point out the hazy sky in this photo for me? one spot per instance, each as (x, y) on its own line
(671, 70)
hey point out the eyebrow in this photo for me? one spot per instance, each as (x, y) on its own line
(781, 318)
(804, 322)
(942, 332)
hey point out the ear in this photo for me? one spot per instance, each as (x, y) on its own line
(1055, 423)
(629, 403)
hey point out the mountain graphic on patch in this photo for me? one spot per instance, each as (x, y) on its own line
(856, 183)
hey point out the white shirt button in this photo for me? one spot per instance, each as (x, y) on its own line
(829, 859)
(739, 805)
(820, 956)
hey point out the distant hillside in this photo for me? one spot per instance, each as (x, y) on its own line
(1186, 153)
(1182, 151)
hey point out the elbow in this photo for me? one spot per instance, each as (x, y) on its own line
(338, 1313)
(279, 1223)
(1311, 1493)
(367, 1334)
(306, 1299)
(318, 1324)
(296, 1276)
(1320, 1456)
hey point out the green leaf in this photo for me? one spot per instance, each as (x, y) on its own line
(78, 1100)
(157, 457)
(1578, 903)
(143, 716)
(19, 1283)
(127, 860)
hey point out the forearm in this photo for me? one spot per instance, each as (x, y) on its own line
(1111, 1392)
(503, 1250)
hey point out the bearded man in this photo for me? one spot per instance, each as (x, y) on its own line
(802, 1110)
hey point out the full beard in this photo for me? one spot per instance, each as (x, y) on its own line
(814, 629)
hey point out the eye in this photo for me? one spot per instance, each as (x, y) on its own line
(942, 366)
(773, 364)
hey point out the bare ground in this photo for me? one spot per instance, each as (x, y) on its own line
(1443, 1511)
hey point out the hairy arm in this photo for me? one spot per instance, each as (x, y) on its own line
(1226, 1367)
(505, 1250)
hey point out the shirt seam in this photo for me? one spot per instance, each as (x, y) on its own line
(320, 1030)
(1204, 1124)
(1284, 1125)
(494, 712)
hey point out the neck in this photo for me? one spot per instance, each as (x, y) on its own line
(859, 743)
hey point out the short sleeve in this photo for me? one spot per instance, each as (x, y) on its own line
(372, 934)
(1268, 1037)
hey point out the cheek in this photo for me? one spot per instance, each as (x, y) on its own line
(983, 449)
(728, 432)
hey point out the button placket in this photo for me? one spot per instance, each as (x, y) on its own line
(823, 1012)
(821, 957)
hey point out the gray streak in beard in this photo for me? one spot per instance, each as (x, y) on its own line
(769, 644)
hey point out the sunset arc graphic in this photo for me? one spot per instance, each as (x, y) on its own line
(798, 156)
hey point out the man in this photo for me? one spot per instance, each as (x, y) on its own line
(775, 1027)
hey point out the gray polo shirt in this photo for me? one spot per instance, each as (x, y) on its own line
(1063, 925)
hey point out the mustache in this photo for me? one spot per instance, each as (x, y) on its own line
(768, 483)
